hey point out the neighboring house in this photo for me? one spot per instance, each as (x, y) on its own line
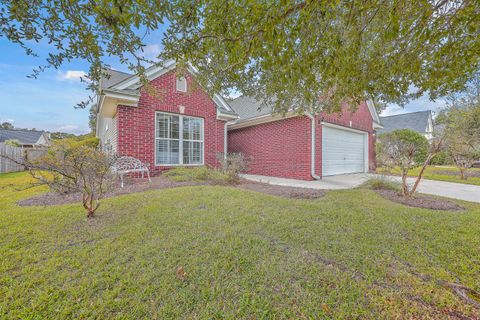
(421, 122)
(26, 138)
(183, 126)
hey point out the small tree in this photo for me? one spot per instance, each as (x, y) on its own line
(407, 150)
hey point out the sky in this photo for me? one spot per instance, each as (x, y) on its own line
(48, 102)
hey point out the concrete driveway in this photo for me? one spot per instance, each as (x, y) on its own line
(467, 192)
(459, 191)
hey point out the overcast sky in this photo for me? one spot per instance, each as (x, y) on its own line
(47, 103)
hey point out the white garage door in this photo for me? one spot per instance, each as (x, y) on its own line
(343, 151)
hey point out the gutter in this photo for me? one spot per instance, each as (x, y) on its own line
(313, 147)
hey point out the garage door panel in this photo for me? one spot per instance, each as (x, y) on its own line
(343, 151)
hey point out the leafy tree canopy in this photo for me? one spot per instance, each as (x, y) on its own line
(288, 53)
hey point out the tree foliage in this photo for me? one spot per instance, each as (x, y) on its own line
(405, 149)
(461, 122)
(287, 53)
(6, 125)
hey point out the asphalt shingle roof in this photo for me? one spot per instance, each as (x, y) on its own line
(416, 121)
(115, 77)
(23, 136)
(247, 107)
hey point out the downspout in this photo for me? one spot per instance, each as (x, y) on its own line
(313, 147)
(225, 139)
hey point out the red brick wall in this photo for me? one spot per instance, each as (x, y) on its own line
(136, 125)
(282, 148)
(279, 149)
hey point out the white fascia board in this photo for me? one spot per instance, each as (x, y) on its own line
(121, 95)
(374, 113)
(226, 116)
(262, 119)
(150, 73)
(336, 126)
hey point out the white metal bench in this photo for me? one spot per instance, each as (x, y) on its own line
(126, 165)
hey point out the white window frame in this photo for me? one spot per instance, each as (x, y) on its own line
(181, 80)
(180, 141)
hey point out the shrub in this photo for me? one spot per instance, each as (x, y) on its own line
(440, 158)
(81, 169)
(382, 184)
(233, 164)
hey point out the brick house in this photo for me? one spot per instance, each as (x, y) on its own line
(183, 126)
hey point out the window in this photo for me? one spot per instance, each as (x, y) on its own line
(181, 84)
(178, 140)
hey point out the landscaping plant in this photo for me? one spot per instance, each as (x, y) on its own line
(233, 164)
(75, 168)
(461, 121)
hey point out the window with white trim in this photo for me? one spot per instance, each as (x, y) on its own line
(178, 139)
(181, 84)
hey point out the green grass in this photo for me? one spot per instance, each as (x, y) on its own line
(349, 255)
(434, 173)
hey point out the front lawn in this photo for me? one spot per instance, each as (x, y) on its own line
(444, 173)
(246, 255)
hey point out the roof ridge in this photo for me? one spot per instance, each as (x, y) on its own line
(24, 130)
(131, 74)
(404, 114)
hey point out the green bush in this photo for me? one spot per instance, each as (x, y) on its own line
(440, 159)
(91, 142)
(198, 174)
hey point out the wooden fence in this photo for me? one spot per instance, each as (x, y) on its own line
(7, 165)
(19, 154)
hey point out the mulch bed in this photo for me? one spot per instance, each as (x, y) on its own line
(133, 185)
(420, 201)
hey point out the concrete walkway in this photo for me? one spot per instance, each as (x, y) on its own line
(453, 190)
(345, 181)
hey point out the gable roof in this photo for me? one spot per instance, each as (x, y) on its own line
(25, 137)
(416, 121)
(126, 86)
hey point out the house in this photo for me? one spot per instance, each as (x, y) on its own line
(421, 122)
(26, 138)
(183, 126)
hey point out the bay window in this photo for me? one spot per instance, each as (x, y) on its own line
(178, 139)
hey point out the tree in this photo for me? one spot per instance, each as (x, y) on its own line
(406, 149)
(460, 121)
(462, 135)
(287, 53)
(6, 125)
